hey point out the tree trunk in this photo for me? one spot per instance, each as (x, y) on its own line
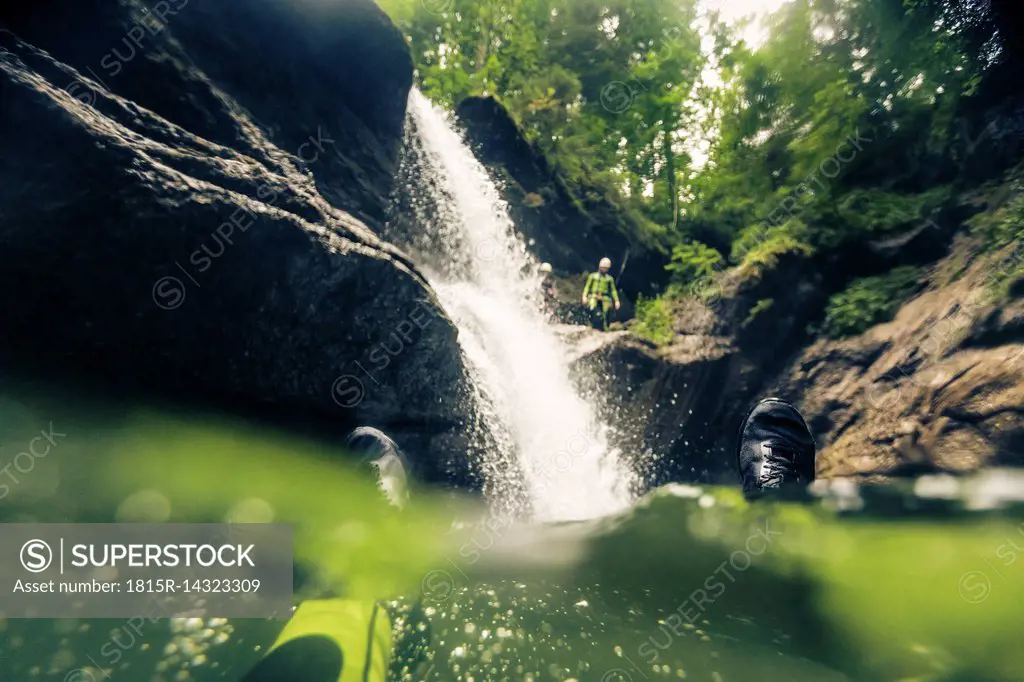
(670, 170)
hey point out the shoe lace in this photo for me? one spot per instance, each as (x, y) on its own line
(778, 465)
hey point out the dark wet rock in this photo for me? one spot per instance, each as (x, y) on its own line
(165, 235)
(326, 82)
(669, 407)
(570, 229)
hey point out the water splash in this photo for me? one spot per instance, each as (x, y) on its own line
(488, 283)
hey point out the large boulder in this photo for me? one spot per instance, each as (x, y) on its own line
(176, 226)
(325, 81)
(664, 404)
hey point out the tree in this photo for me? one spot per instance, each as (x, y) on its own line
(601, 86)
(846, 101)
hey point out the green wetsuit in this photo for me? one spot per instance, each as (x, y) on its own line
(600, 293)
(330, 640)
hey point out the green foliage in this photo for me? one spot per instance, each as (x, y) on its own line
(869, 301)
(760, 237)
(766, 255)
(875, 212)
(654, 320)
(1004, 224)
(759, 248)
(762, 306)
(693, 262)
(1001, 229)
(601, 86)
(832, 130)
(833, 118)
(837, 121)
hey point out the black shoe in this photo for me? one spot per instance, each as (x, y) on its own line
(376, 449)
(776, 448)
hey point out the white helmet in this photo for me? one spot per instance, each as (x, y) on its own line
(545, 268)
(605, 263)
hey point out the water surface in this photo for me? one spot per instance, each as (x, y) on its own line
(915, 581)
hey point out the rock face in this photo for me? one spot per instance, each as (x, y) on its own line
(940, 388)
(172, 183)
(572, 234)
(325, 82)
(670, 406)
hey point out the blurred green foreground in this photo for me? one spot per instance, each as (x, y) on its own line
(917, 581)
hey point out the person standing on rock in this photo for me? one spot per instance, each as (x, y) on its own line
(599, 294)
(547, 289)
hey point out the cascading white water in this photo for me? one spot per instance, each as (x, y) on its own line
(491, 292)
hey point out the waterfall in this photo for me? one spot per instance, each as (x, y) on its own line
(468, 247)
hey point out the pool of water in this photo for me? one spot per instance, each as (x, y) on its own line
(919, 580)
